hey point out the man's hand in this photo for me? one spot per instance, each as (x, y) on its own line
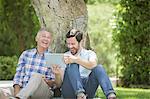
(89, 64)
(58, 74)
(56, 69)
(68, 59)
(50, 83)
(16, 89)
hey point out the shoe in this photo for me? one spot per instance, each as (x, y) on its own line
(14, 98)
(112, 96)
(2, 95)
(81, 96)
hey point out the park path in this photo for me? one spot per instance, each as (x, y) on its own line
(7, 86)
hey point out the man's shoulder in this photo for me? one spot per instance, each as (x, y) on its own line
(29, 51)
(68, 52)
(87, 51)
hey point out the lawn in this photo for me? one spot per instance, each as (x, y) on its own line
(128, 93)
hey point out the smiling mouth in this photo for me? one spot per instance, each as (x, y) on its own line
(45, 42)
(73, 51)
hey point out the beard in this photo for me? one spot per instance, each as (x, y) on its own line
(74, 51)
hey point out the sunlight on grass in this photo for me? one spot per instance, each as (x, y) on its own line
(128, 93)
(133, 93)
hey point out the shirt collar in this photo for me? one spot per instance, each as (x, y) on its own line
(79, 52)
(36, 52)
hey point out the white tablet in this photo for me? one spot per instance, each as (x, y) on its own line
(56, 59)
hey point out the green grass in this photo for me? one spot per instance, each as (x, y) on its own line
(128, 93)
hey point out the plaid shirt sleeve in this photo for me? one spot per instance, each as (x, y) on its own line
(20, 70)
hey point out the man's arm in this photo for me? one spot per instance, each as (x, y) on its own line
(89, 64)
(58, 75)
(18, 78)
(50, 83)
(58, 80)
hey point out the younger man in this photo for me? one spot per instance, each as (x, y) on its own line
(82, 75)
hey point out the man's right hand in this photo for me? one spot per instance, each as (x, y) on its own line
(68, 59)
(16, 89)
(56, 70)
(58, 74)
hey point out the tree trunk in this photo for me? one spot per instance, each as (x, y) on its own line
(59, 16)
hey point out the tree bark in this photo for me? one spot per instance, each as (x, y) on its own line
(59, 16)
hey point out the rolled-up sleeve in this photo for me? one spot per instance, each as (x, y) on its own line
(92, 55)
(20, 70)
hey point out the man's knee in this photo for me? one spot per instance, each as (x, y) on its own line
(37, 75)
(99, 69)
(72, 68)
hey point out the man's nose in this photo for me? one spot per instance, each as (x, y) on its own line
(46, 38)
(70, 46)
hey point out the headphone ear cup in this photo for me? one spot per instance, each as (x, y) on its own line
(79, 36)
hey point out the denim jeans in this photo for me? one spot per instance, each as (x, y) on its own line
(73, 83)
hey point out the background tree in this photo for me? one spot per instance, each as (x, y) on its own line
(132, 36)
(100, 32)
(59, 16)
(18, 25)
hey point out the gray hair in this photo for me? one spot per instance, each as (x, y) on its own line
(40, 31)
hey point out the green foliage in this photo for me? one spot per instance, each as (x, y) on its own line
(18, 25)
(100, 33)
(7, 67)
(132, 37)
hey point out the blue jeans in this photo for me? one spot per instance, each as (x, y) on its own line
(73, 83)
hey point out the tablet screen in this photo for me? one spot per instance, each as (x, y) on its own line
(55, 58)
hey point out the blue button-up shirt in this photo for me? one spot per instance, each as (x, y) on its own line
(31, 62)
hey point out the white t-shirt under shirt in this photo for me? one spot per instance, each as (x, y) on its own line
(87, 55)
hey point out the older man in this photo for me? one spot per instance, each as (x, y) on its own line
(33, 79)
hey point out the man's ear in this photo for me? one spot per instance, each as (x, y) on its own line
(36, 38)
(81, 43)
